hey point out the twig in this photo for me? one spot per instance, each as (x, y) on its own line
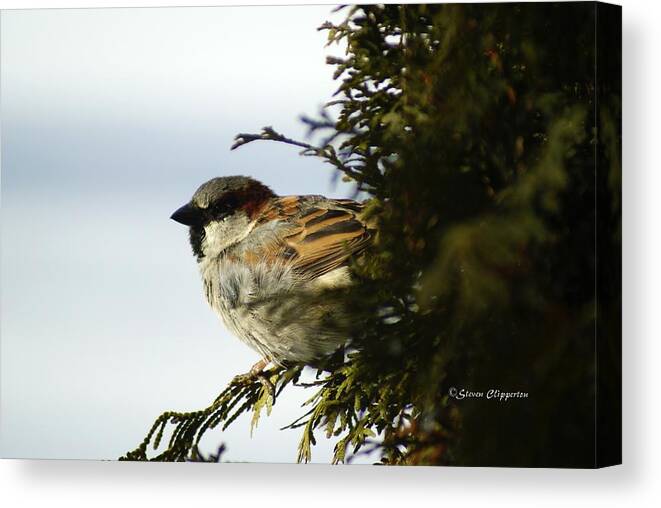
(268, 134)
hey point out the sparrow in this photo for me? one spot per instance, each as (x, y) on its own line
(269, 265)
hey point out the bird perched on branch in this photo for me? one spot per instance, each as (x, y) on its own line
(270, 265)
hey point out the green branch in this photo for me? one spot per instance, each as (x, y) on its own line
(188, 428)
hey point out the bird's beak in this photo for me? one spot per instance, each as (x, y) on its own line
(186, 215)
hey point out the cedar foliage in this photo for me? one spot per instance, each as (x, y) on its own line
(474, 129)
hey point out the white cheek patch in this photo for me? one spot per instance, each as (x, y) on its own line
(219, 235)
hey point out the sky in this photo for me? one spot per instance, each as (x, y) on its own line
(111, 118)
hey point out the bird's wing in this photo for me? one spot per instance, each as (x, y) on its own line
(321, 234)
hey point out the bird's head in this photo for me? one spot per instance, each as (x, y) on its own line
(222, 212)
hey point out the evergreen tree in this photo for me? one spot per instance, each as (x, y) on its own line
(487, 137)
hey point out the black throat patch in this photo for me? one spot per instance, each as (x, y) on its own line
(196, 235)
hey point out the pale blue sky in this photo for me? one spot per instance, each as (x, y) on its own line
(110, 120)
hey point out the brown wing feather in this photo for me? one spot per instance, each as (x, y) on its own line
(324, 233)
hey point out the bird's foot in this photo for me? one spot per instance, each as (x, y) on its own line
(256, 373)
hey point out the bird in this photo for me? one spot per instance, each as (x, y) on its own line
(274, 268)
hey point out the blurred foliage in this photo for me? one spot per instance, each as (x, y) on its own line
(475, 130)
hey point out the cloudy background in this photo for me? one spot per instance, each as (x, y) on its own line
(111, 118)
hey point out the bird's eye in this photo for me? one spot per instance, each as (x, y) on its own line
(220, 210)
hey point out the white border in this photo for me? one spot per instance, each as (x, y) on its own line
(83, 483)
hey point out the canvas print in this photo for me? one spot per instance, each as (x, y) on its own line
(361, 234)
